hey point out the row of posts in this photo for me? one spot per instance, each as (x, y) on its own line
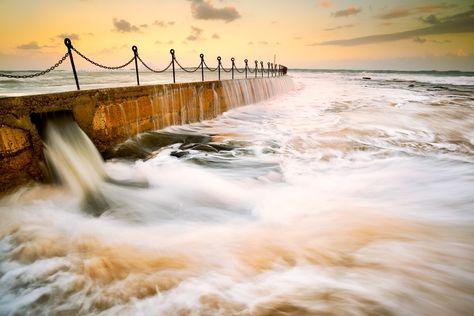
(273, 70)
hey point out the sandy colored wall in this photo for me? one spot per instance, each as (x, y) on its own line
(108, 116)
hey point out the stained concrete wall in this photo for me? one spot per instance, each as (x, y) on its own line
(108, 116)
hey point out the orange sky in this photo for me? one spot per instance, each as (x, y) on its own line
(415, 34)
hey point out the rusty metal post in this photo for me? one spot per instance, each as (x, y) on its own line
(172, 64)
(233, 65)
(202, 66)
(135, 54)
(246, 66)
(219, 66)
(68, 44)
(256, 68)
(263, 69)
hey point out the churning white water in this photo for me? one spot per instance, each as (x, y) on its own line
(341, 197)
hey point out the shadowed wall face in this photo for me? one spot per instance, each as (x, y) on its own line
(110, 116)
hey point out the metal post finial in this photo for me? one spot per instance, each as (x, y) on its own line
(67, 42)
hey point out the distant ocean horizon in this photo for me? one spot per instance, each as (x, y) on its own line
(62, 80)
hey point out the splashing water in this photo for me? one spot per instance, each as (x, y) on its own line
(342, 196)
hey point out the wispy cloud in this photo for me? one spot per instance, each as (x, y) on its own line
(123, 26)
(205, 10)
(163, 23)
(215, 36)
(458, 53)
(459, 23)
(31, 45)
(419, 40)
(263, 43)
(422, 40)
(339, 27)
(324, 3)
(408, 11)
(441, 41)
(195, 35)
(430, 19)
(165, 43)
(394, 14)
(73, 36)
(346, 12)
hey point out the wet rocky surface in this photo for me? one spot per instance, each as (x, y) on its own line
(144, 145)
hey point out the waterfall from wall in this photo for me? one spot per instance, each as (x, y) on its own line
(242, 92)
(74, 161)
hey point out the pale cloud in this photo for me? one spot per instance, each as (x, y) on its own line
(434, 7)
(72, 36)
(339, 27)
(163, 23)
(419, 40)
(164, 43)
(346, 12)
(458, 23)
(458, 53)
(123, 26)
(441, 41)
(33, 45)
(407, 11)
(395, 14)
(195, 35)
(431, 19)
(324, 3)
(205, 10)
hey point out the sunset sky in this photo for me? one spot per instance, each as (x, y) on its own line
(377, 34)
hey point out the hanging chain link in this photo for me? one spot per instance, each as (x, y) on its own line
(226, 70)
(56, 65)
(154, 70)
(186, 70)
(103, 66)
(201, 64)
(210, 69)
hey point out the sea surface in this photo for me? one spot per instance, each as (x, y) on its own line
(338, 196)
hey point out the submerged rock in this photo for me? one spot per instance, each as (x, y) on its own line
(209, 147)
(130, 149)
(179, 154)
(206, 148)
(142, 146)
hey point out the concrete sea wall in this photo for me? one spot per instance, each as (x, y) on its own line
(110, 116)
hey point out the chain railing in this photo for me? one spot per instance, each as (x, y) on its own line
(272, 70)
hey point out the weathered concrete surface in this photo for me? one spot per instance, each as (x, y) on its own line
(108, 117)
